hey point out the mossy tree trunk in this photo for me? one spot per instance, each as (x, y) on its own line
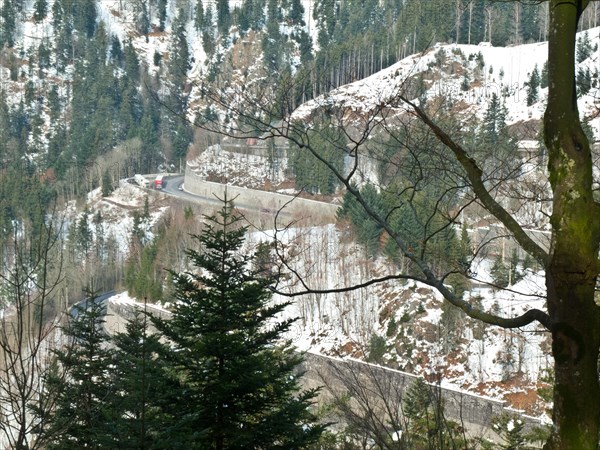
(572, 267)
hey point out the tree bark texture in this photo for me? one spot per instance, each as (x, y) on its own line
(572, 268)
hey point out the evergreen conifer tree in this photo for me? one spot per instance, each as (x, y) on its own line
(223, 17)
(139, 386)
(9, 25)
(584, 47)
(199, 15)
(238, 389)
(533, 86)
(179, 62)
(40, 10)
(544, 76)
(83, 383)
(500, 273)
(162, 14)
(494, 120)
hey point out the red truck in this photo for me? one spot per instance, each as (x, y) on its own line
(158, 182)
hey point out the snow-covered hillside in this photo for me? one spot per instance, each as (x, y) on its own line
(404, 319)
(488, 70)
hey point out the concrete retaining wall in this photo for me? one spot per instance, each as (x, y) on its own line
(262, 201)
(342, 376)
(475, 412)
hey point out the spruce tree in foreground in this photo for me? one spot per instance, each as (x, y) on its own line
(140, 387)
(237, 379)
(83, 384)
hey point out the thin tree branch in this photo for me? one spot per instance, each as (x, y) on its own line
(474, 173)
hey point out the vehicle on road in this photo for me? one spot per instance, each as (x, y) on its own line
(159, 182)
(140, 180)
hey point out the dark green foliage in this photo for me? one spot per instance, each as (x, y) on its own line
(272, 46)
(496, 149)
(584, 47)
(584, 81)
(24, 202)
(494, 121)
(141, 389)
(181, 138)
(83, 236)
(142, 276)
(162, 14)
(116, 51)
(296, 15)
(237, 383)
(544, 76)
(376, 349)
(512, 430)
(452, 323)
(500, 273)
(368, 231)
(107, 186)
(84, 384)
(40, 10)
(533, 85)
(312, 173)
(426, 426)
(425, 231)
(223, 16)
(84, 16)
(179, 62)
(142, 19)
(465, 85)
(199, 20)
(8, 28)
(516, 275)
(156, 59)
(392, 328)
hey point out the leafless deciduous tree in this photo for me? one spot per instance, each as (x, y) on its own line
(422, 150)
(378, 407)
(30, 280)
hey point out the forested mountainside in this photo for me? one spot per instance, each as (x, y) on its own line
(128, 69)
(96, 91)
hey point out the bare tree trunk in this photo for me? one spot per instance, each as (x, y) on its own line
(470, 20)
(573, 266)
(29, 281)
(517, 9)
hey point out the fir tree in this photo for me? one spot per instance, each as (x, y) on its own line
(584, 81)
(84, 16)
(500, 273)
(143, 20)
(179, 62)
(199, 16)
(223, 17)
(107, 187)
(40, 10)
(512, 430)
(83, 383)
(584, 47)
(9, 25)
(238, 387)
(297, 13)
(140, 386)
(368, 232)
(532, 86)
(544, 76)
(162, 14)
(494, 121)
